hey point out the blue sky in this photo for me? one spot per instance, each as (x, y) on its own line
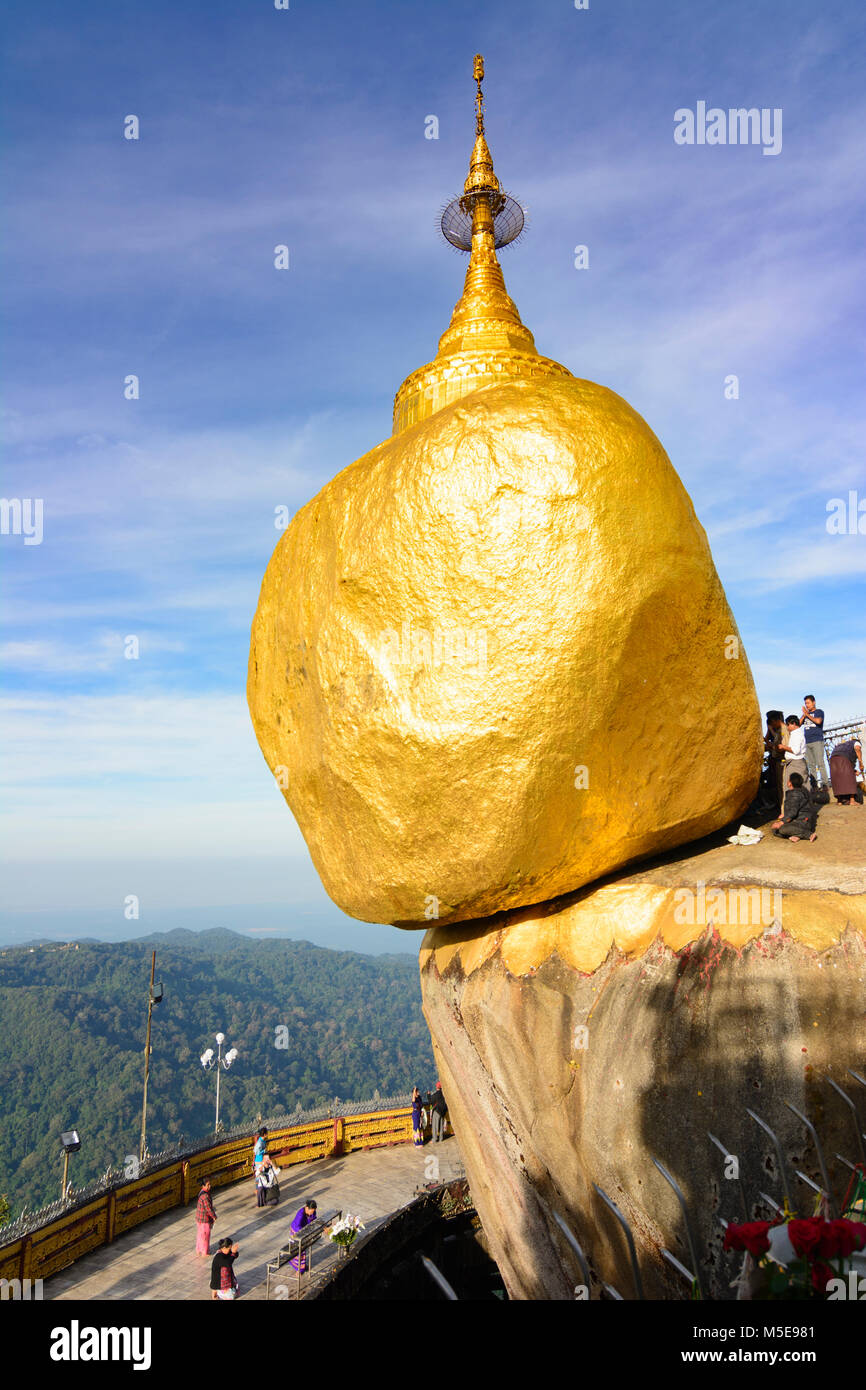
(155, 257)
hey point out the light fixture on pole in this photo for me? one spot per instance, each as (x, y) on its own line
(208, 1060)
(154, 996)
(70, 1144)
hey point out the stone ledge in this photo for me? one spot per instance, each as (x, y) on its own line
(813, 892)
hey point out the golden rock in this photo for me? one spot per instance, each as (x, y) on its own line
(492, 660)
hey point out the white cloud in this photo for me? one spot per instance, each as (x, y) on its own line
(166, 775)
(104, 652)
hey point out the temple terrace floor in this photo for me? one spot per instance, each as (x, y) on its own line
(157, 1260)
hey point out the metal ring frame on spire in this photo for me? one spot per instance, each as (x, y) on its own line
(509, 220)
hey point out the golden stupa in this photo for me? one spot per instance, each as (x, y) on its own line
(492, 660)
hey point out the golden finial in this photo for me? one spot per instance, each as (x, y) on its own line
(481, 175)
(478, 74)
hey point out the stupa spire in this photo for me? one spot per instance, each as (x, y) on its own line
(486, 341)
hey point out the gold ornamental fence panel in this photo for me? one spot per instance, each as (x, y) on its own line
(302, 1143)
(11, 1256)
(62, 1241)
(376, 1129)
(65, 1238)
(154, 1193)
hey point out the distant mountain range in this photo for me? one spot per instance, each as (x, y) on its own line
(73, 1017)
(322, 923)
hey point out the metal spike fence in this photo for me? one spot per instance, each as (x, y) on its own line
(694, 1277)
(839, 733)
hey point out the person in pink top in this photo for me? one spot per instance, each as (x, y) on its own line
(205, 1216)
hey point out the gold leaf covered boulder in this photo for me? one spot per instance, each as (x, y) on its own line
(492, 660)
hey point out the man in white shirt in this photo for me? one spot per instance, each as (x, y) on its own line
(794, 748)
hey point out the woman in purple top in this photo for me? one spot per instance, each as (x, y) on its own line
(304, 1216)
(417, 1118)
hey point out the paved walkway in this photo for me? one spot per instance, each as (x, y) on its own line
(157, 1259)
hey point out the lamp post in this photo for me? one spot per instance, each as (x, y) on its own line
(154, 996)
(70, 1143)
(208, 1060)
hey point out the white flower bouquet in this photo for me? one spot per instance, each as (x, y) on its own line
(345, 1231)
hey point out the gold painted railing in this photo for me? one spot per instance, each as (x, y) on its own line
(63, 1240)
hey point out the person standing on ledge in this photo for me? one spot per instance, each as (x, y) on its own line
(205, 1216)
(260, 1148)
(223, 1283)
(776, 759)
(440, 1110)
(813, 729)
(794, 749)
(266, 1182)
(843, 764)
(417, 1118)
(259, 1152)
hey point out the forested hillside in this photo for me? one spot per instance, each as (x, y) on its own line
(73, 1024)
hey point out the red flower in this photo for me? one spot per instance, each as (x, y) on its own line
(749, 1235)
(841, 1238)
(806, 1236)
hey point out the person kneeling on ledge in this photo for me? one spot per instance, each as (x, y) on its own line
(798, 819)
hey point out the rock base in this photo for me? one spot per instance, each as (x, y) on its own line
(578, 1042)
